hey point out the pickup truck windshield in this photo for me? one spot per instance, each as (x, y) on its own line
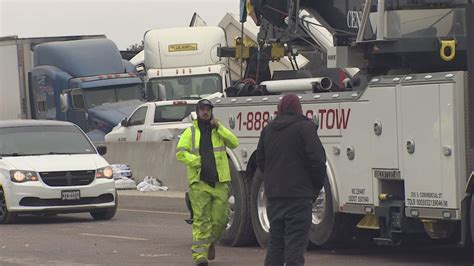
(42, 140)
(173, 113)
(185, 87)
(111, 94)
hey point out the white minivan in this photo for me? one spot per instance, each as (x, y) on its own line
(52, 167)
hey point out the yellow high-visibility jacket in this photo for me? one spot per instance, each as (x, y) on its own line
(188, 151)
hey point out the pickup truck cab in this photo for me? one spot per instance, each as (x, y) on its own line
(52, 167)
(155, 121)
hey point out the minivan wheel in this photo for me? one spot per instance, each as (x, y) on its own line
(6, 217)
(105, 213)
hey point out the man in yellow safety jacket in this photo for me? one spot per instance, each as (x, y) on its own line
(202, 148)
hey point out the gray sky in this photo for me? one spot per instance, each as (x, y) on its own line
(124, 22)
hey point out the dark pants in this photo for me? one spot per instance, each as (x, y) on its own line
(290, 222)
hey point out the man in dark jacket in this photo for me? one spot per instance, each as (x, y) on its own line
(293, 162)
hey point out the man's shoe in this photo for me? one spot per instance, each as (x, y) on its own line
(211, 254)
(201, 262)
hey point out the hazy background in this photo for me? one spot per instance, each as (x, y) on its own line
(124, 22)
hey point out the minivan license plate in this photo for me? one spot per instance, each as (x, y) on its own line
(70, 194)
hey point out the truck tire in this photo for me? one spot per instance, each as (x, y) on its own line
(105, 213)
(329, 228)
(258, 208)
(6, 217)
(239, 228)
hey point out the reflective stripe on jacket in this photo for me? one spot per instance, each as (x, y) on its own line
(188, 151)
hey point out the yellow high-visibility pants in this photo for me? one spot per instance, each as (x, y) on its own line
(210, 208)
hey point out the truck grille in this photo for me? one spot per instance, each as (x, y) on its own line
(37, 202)
(70, 178)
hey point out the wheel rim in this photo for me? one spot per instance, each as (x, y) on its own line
(262, 209)
(3, 205)
(319, 207)
(231, 208)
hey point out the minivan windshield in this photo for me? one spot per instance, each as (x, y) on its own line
(42, 140)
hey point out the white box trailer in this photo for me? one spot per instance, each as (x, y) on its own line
(16, 62)
(10, 98)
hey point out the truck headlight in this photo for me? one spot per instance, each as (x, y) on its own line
(20, 176)
(105, 172)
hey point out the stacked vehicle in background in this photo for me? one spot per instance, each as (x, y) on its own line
(81, 79)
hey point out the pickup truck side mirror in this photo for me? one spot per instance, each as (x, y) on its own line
(194, 116)
(190, 118)
(124, 122)
(102, 150)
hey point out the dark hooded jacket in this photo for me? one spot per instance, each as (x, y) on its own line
(290, 154)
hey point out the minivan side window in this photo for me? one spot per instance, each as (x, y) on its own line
(138, 118)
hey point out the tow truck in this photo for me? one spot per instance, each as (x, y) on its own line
(397, 128)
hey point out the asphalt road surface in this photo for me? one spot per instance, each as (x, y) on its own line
(152, 231)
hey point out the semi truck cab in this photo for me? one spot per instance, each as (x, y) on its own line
(185, 62)
(85, 82)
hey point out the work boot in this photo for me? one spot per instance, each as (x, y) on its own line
(211, 253)
(201, 262)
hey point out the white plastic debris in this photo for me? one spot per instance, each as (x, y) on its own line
(123, 176)
(151, 183)
(121, 170)
(124, 183)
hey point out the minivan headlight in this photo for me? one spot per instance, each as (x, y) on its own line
(105, 172)
(20, 176)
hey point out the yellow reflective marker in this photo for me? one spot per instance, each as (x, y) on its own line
(182, 47)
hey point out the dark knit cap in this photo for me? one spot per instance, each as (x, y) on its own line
(290, 103)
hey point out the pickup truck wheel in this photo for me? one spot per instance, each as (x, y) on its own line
(329, 228)
(6, 217)
(258, 208)
(105, 213)
(239, 228)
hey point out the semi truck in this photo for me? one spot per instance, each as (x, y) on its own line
(184, 61)
(398, 134)
(81, 79)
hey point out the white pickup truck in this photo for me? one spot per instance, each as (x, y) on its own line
(155, 121)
